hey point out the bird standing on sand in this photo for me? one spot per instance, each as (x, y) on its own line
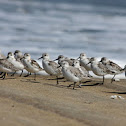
(6, 67)
(84, 61)
(98, 68)
(31, 65)
(113, 67)
(17, 64)
(76, 64)
(72, 73)
(50, 67)
(19, 56)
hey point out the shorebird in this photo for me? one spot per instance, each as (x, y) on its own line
(113, 67)
(6, 67)
(31, 65)
(76, 64)
(51, 67)
(63, 58)
(19, 56)
(16, 63)
(85, 73)
(99, 69)
(72, 73)
(84, 61)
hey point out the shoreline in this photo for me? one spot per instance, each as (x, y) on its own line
(42, 102)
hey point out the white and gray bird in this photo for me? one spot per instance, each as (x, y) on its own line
(19, 56)
(76, 64)
(6, 67)
(113, 67)
(62, 58)
(51, 67)
(84, 61)
(99, 69)
(16, 63)
(31, 65)
(72, 74)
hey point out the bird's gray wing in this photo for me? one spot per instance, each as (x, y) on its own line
(35, 64)
(8, 65)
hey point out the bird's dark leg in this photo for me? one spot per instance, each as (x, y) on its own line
(27, 74)
(34, 76)
(13, 73)
(5, 74)
(103, 80)
(74, 85)
(70, 85)
(21, 73)
(2, 75)
(57, 82)
(79, 84)
(112, 79)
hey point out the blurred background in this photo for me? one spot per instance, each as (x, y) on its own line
(68, 27)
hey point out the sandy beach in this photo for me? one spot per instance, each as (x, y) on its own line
(25, 102)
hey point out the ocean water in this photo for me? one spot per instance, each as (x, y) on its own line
(67, 27)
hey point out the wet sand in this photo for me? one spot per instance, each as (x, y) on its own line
(25, 102)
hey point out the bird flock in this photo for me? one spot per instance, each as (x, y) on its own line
(74, 70)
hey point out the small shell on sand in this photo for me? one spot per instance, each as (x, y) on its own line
(116, 97)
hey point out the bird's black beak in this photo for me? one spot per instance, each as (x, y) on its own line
(40, 58)
(59, 66)
(100, 61)
(55, 59)
(78, 58)
(88, 63)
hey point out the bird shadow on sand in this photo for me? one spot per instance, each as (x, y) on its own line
(60, 78)
(60, 86)
(116, 92)
(8, 78)
(30, 80)
(91, 84)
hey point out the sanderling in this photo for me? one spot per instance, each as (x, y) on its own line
(63, 58)
(19, 56)
(85, 73)
(6, 67)
(72, 73)
(76, 64)
(84, 61)
(31, 65)
(98, 68)
(17, 64)
(50, 67)
(113, 67)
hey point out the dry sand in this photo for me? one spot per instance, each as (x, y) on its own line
(25, 102)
